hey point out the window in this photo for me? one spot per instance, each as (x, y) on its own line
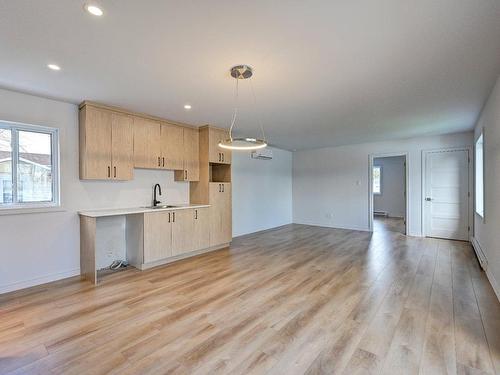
(377, 179)
(28, 166)
(479, 177)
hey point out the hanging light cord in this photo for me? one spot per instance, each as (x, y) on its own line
(235, 111)
(258, 116)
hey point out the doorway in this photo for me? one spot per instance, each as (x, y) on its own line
(388, 193)
(446, 194)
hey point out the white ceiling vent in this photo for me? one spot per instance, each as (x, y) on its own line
(264, 153)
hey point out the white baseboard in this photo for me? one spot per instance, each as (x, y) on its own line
(483, 261)
(38, 280)
(331, 226)
(494, 283)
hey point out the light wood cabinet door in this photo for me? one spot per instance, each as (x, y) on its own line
(147, 143)
(157, 236)
(95, 143)
(220, 213)
(226, 154)
(215, 217)
(122, 146)
(191, 157)
(182, 231)
(215, 153)
(172, 147)
(226, 213)
(201, 232)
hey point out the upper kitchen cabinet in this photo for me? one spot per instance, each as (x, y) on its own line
(217, 154)
(114, 141)
(122, 146)
(147, 143)
(172, 145)
(106, 144)
(191, 159)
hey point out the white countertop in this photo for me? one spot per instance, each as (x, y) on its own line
(136, 210)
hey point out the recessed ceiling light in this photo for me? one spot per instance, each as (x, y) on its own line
(94, 10)
(187, 106)
(54, 67)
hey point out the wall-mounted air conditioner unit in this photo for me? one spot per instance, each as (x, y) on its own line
(265, 154)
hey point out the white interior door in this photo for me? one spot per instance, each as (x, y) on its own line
(447, 194)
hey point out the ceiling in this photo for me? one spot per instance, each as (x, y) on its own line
(326, 73)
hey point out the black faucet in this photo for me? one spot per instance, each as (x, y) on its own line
(155, 201)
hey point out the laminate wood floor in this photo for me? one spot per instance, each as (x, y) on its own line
(391, 224)
(293, 300)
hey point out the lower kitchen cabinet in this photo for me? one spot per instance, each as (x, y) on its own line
(157, 236)
(182, 231)
(169, 234)
(220, 213)
(201, 233)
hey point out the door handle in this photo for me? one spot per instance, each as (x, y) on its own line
(428, 199)
(114, 171)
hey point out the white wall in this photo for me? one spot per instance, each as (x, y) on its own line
(262, 192)
(37, 248)
(486, 232)
(392, 198)
(330, 185)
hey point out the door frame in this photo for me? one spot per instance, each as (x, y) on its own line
(470, 185)
(370, 186)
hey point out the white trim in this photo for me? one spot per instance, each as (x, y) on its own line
(24, 210)
(494, 284)
(470, 217)
(55, 165)
(481, 216)
(407, 188)
(38, 280)
(483, 261)
(313, 224)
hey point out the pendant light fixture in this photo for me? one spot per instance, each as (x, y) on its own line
(240, 72)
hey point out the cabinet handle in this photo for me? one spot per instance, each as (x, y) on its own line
(223, 188)
(114, 171)
(185, 175)
(220, 188)
(159, 164)
(220, 157)
(196, 214)
(169, 217)
(223, 157)
(109, 171)
(173, 217)
(163, 161)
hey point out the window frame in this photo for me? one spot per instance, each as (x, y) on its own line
(480, 136)
(380, 179)
(15, 206)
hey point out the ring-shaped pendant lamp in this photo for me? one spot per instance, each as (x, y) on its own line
(242, 143)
